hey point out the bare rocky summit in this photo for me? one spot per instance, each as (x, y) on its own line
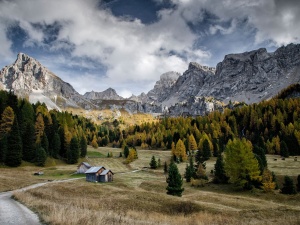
(248, 77)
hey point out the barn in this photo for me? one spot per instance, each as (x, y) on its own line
(99, 174)
(83, 167)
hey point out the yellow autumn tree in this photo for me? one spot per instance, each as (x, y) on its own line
(39, 126)
(267, 181)
(7, 120)
(192, 143)
(181, 151)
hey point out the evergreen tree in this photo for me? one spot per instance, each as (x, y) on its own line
(219, 172)
(153, 163)
(288, 186)
(73, 153)
(284, 152)
(206, 150)
(158, 163)
(165, 167)
(189, 170)
(174, 181)
(45, 143)
(29, 143)
(260, 155)
(126, 151)
(298, 183)
(14, 145)
(240, 163)
(83, 147)
(3, 148)
(41, 156)
(56, 145)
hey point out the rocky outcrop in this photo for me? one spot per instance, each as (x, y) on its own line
(28, 78)
(108, 94)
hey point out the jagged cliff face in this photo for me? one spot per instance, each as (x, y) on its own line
(254, 76)
(247, 77)
(28, 78)
(108, 94)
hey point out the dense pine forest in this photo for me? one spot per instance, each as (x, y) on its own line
(31, 132)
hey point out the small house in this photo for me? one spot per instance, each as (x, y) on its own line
(106, 176)
(83, 167)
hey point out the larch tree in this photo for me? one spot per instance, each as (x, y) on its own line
(39, 127)
(181, 151)
(267, 181)
(7, 120)
(240, 164)
(192, 143)
(174, 181)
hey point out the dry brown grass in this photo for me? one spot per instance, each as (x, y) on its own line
(140, 198)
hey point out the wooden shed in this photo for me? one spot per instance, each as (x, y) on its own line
(106, 176)
(93, 174)
(83, 167)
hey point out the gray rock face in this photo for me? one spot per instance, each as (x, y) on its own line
(28, 78)
(108, 94)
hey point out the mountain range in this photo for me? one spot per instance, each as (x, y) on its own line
(248, 77)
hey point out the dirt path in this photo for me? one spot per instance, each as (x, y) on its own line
(13, 212)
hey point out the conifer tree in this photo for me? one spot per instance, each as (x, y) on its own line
(267, 181)
(192, 143)
(56, 145)
(180, 151)
(29, 143)
(288, 186)
(126, 151)
(240, 163)
(14, 146)
(174, 181)
(219, 172)
(41, 155)
(298, 183)
(165, 167)
(206, 150)
(83, 147)
(189, 170)
(39, 126)
(45, 143)
(73, 152)
(3, 148)
(7, 120)
(153, 163)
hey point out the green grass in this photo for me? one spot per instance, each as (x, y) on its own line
(95, 154)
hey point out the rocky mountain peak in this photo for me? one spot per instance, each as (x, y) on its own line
(108, 94)
(197, 66)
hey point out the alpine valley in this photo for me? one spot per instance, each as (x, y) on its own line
(248, 77)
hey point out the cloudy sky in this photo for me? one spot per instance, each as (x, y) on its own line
(128, 44)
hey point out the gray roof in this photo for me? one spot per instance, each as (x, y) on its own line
(94, 169)
(105, 172)
(86, 164)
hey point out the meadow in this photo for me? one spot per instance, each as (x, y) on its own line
(138, 194)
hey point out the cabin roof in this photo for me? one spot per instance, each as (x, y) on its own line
(94, 169)
(104, 172)
(86, 164)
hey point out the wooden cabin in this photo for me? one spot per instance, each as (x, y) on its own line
(83, 167)
(106, 176)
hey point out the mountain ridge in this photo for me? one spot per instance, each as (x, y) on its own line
(247, 77)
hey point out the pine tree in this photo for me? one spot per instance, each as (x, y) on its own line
(73, 153)
(83, 147)
(206, 150)
(45, 143)
(165, 167)
(219, 172)
(41, 156)
(126, 151)
(29, 143)
(298, 183)
(240, 163)
(3, 148)
(174, 181)
(158, 163)
(56, 145)
(14, 145)
(153, 163)
(189, 170)
(288, 186)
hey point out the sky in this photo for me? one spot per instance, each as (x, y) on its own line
(128, 44)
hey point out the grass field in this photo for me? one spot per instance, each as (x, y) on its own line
(138, 195)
